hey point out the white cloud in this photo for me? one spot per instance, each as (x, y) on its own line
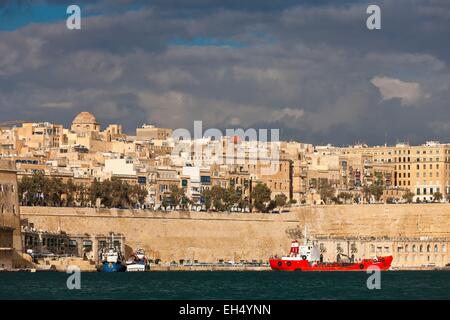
(390, 88)
(57, 104)
(287, 113)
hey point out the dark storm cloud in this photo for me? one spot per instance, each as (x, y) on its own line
(312, 69)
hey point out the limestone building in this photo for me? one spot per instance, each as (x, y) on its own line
(85, 122)
(10, 233)
(150, 132)
(423, 170)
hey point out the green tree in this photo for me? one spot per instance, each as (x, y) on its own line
(165, 202)
(139, 194)
(280, 201)
(176, 194)
(96, 192)
(260, 195)
(326, 191)
(271, 206)
(54, 189)
(218, 194)
(230, 198)
(408, 196)
(345, 196)
(70, 191)
(437, 197)
(207, 198)
(376, 190)
(179, 198)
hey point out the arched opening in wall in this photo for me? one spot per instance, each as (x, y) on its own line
(421, 248)
(372, 248)
(435, 248)
(428, 248)
(406, 248)
(414, 248)
(444, 248)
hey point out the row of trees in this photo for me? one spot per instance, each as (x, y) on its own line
(437, 197)
(328, 194)
(39, 190)
(218, 198)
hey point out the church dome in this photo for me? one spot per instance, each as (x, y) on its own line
(85, 118)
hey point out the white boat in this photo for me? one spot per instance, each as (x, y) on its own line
(137, 262)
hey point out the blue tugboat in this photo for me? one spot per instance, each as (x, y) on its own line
(111, 259)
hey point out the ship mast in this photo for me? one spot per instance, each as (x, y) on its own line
(305, 235)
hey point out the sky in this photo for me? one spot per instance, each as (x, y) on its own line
(309, 68)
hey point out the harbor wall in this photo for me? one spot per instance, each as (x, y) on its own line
(209, 237)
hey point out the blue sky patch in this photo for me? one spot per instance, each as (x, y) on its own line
(206, 42)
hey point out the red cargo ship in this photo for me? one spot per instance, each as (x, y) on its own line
(307, 258)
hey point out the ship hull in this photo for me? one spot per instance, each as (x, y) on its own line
(382, 263)
(112, 267)
(136, 267)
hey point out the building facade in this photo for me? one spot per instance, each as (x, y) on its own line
(10, 233)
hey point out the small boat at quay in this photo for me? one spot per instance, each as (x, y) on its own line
(111, 258)
(112, 261)
(307, 258)
(137, 262)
